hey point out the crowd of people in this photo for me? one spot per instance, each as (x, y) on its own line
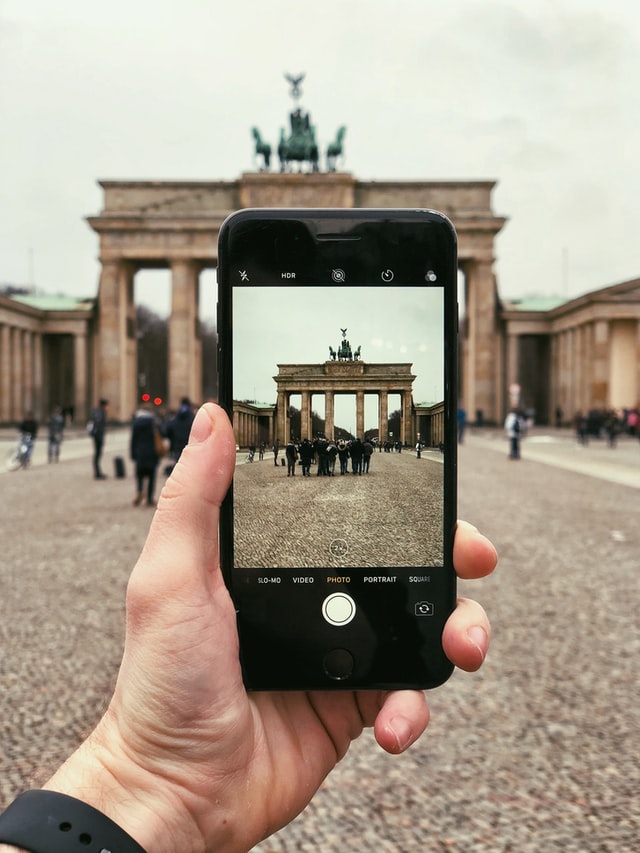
(153, 437)
(340, 456)
(607, 423)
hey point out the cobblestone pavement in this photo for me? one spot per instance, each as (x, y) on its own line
(371, 512)
(536, 752)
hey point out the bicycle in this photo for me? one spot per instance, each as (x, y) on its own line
(20, 456)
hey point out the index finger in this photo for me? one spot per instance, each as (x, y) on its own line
(474, 556)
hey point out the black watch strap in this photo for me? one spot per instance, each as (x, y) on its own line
(47, 822)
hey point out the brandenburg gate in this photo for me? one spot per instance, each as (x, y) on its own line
(344, 377)
(175, 224)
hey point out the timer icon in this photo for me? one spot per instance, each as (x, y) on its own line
(387, 275)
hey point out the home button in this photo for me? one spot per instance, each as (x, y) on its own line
(338, 664)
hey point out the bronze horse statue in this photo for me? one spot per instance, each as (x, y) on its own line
(334, 149)
(263, 149)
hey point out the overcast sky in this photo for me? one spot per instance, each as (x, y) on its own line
(403, 326)
(541, 96)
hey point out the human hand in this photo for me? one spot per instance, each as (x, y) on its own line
(184, 759)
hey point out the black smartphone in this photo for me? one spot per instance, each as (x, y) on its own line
(337, 335)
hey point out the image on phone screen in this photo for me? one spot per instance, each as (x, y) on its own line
(340, 368)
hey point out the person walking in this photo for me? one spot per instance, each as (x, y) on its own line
(96, 428)
(144, 454)
(292, 457)
(513, 428)
(29, 429)
(367, 452)
(56, 430)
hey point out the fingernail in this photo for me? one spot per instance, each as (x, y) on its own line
(402, 731)
(201, 428)
(479, 638)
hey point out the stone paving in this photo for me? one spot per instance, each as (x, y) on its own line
(371, 512)
(536, 752)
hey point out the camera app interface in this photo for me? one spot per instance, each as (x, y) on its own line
(339, 421)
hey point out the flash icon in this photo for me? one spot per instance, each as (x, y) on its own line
(243, 275)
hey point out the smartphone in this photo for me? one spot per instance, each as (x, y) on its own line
(337, 336)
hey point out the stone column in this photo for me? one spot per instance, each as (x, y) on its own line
(513, 375)
(116, 369)
(236, 424)
(185, 346)
(81, 402)
(305, 414)
(37, 377)
(479, 369)
(406, 432)
(572, 395)
(27, 371)
(359, 414)
(600, 364)
(282, 418)
(5, 373)
(383, 415)
(580, 368)
(329, 415)
(17, 408)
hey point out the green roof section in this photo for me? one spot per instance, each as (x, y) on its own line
(48, 302)
(534, 303)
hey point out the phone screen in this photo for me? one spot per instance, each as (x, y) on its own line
(353, 377)
(337, 360)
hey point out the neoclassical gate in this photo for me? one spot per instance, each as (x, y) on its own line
(332, 378)
(175, 225)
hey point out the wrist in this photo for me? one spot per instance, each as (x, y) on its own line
(107, 779)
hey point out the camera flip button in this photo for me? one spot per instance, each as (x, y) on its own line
(338, 609)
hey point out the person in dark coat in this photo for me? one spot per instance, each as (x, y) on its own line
(178, 430)
(356, 451)
(306, 452)
(144, 454)
(291, 453)
(98, 429)
(56, 430)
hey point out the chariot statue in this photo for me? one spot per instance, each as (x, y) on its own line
(298, 144)
(344, 351)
